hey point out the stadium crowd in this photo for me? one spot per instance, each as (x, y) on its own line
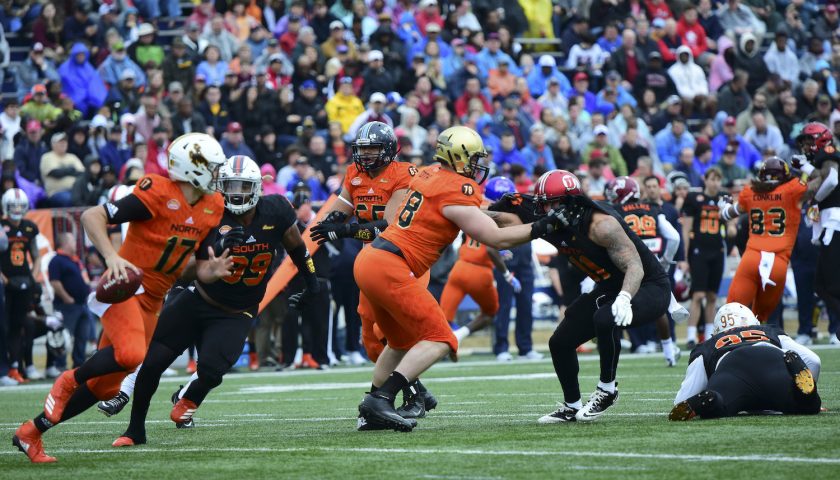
(603, 88)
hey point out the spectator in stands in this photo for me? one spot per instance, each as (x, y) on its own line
(746, 154)
(596, 175)
(29, 151)
(733, 97)
(114, 154)
(179, 66)
(344, 106)
(537, 154)
(539, 78)
(202, 14)
(708, 19)
(759, 104)
(267, 153)
(501, 81)
(702, 158)
(814, 54)
(374, 113)
(788, 117)
(807, 98)
(193, 40)
(157, 159)
(610, 154)
(80, 81)
(740, 19)
(665, 32)
(622, 95)
(59, 170)
(305, 174)
(586, 55)
(632, 148)
(685, 164)
(47, 30)
(337, 38)
(147, 117)
(321, 20)
(427, 14)
(144, 51)
(580, 89)
(672, 140)
(377, 77)
(411, 128)
(658, 9)
(117, 63)
(37, 68)
(213, 68)
(688, 77)
(692, 34)
(628, 60)
(673, 109)
(508, 154)
(490, 56)
(728, 164)
(781, 60)
(10, 127)
(609, 41)
(71, 285)
(825, 26)
(748, 59)
(765, 137)
(722, 66)
(823, 112)
(78, 26)
(233, 142)
(186, 119)
(216, 35)
(39, 108)
(471, 92)
(655, 78)
(87, 187)
(553, 99)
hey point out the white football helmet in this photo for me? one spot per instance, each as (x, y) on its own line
(195, 158)
(240, 182)
(733, 315)
(15, 204)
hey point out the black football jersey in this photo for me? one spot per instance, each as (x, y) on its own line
(716, 347)
(829, 152)
(706, 225)
(642, 218)
(253, 260)
(584, 254)
(14, 261)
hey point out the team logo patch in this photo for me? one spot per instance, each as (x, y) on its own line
(173, 204)
(208, 211)
(467, 189)
(356, 181)
(412, 170)
(830, 149)
(224, 229)
(268, 227)
(145, 183)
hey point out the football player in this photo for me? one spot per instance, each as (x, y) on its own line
(816, 145)
(747, 367)
(648, 222)
(217, 310)
(168, 218)
(18, 280)
(374, 186)
(443, 198)
(705, 250)
(631, 288)
(773, 202)
(472, 273)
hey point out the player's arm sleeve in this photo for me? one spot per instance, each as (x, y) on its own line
(127, 209)
(511, 210)
(671, 236)
(695, 381)
(4, 240)
(828, 185)
(367, 231)
(808, 356)
(202, 253)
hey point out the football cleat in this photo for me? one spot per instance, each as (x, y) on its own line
(27, 439)
(415, 405)
(33, 373)
(127, 441)
(377, 413)
(253, 361)
(183, 411)
(598, 403)
(191, 366)
(60, 393)
(800, 372)
(113, 406)
(175, 399)
(15, 375)
(677, 355)
(682, 412)
(564, 413)
(706, 401)
(306, 361)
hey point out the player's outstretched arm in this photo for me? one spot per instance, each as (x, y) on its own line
(608, 233)
(481, 227)
(671, 237)
(503, 219)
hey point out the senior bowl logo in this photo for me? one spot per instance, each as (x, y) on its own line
(225, 229)
(173, 204)
(356, 181)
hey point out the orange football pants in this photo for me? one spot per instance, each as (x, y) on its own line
(746, 286)
(469, 279)
(128, 326)
(403, 308)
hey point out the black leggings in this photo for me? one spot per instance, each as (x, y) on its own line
(312, 324)
(754, 379)
(21, 326)
(590, 316)
(827, 283)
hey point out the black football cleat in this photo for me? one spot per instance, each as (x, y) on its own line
(113, 406)
(598, 403)
(802, 376)
(563, 414)
(415, 405)
(186, 424)
(377, 413)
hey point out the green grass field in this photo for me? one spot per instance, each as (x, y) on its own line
(302, 425)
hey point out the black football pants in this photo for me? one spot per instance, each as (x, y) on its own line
(590, 316)
(827, 282)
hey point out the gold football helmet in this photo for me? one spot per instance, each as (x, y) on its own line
(461, 148)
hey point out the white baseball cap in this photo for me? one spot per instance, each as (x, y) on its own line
(547, 61)
(601, 130)
(378, 97)
(375, 55)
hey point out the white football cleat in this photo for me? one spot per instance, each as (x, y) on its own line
(804, 339)
(33, 373)
(532, 355)
(52, 372)
(7, 381)
(504, 357)
(356, 358)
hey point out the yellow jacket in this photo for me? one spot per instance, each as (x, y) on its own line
(344, 108)
(539, 14)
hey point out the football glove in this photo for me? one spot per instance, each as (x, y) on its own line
(513, 281)
(723, 205)
(232, 238)
(327, 232)
(622, 310)
(506, 255)
(302, 299)
(551, 222)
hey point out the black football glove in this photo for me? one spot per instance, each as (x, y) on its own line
(301, 300)
(232, 238)
(551, 222)
(326, 232)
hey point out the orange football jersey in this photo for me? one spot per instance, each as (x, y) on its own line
(474, 252)
(162, 245)
(773, 216)
(370, 195)
(420, 229)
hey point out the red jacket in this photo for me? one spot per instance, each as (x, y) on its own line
(693, 36)
(463, 102)
(422, 19)
(658, 11)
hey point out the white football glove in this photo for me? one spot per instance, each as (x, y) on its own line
(800, 162)
(622, 310)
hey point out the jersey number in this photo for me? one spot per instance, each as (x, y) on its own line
(644, 226)
(777, 217)
(743, 336)
(258, 267)
(17, 255)
(473, 243)
(377, 211)
(590, 268)
(710, 222)
(187, 245)
(413, 203)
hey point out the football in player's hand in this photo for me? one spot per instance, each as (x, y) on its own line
(113, 291)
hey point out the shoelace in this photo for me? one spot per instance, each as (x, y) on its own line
(598, 395)
(563, 408)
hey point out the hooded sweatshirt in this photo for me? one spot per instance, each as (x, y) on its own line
(81, 82)
(751, 62)
(720, 70)
(785, 64)
(688, 77)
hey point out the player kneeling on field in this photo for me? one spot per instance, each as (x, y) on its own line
(782, 373)
(217, 310)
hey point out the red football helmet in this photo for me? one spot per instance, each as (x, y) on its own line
(773, 172)
(813, 138)
(556, 185)
(622, 190)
